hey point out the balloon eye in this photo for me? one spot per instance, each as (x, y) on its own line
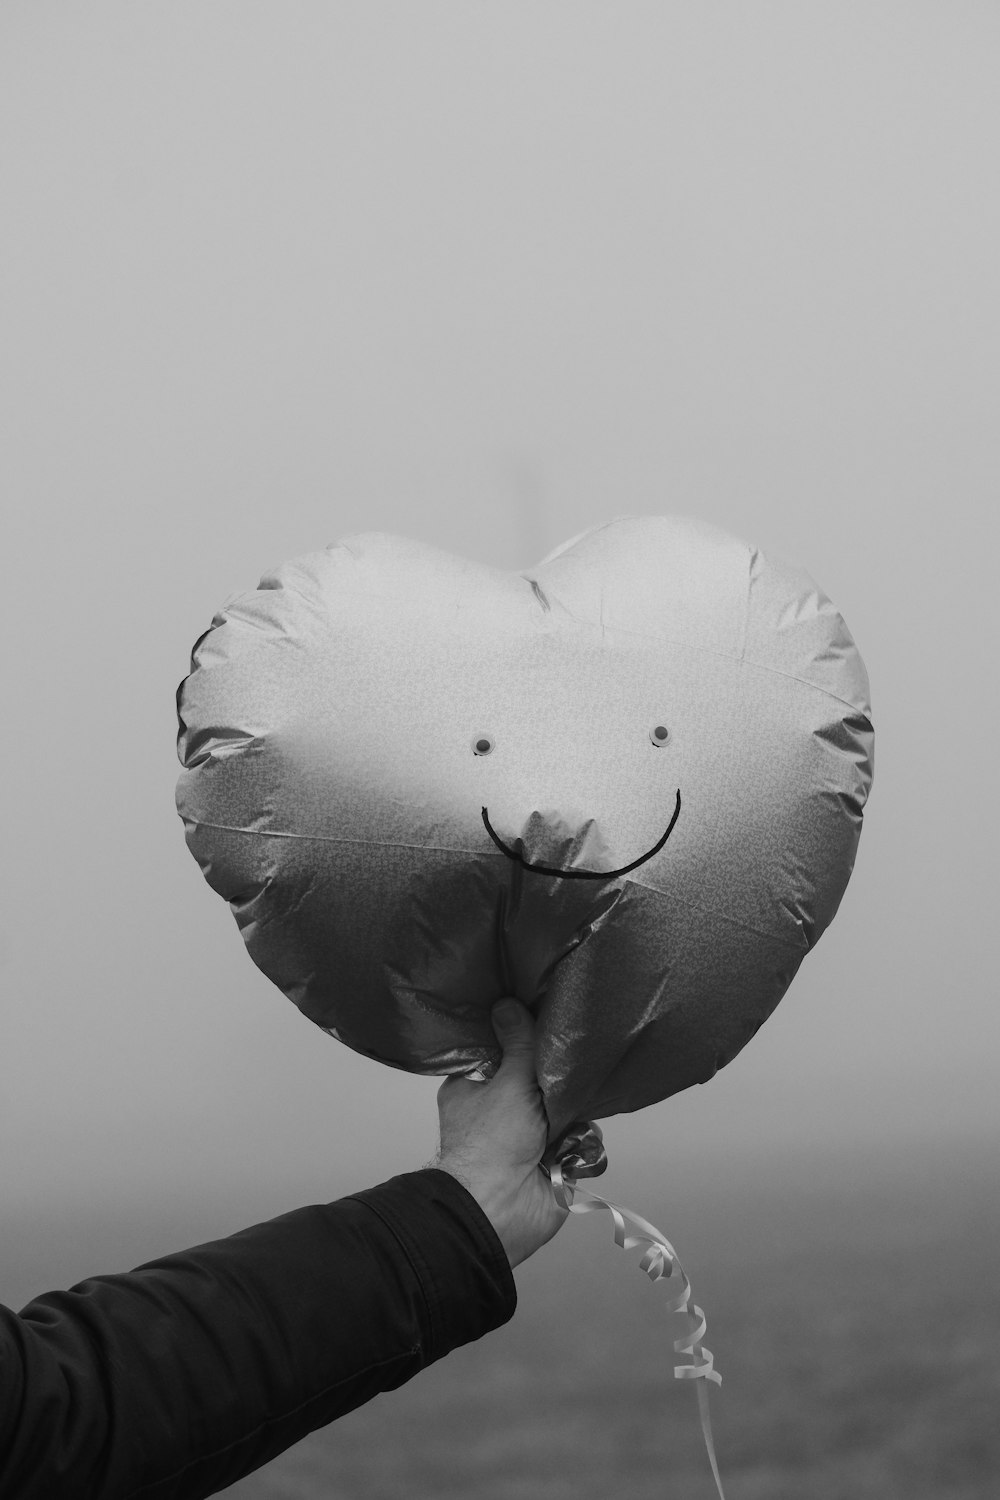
(659, 735)
(482, 744)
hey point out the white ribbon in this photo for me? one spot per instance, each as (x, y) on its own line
(659, 1261)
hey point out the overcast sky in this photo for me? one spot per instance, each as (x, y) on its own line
(482, 274)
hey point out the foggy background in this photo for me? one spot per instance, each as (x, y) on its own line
(482, 274)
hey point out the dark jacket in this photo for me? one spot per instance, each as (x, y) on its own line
(176, 1379)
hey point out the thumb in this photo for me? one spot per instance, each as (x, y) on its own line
(514, 1028)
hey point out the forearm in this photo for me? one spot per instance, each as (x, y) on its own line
(179, 1377)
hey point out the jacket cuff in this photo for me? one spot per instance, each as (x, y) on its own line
(457, 1258)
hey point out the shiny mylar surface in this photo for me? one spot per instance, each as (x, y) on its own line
(625, 786)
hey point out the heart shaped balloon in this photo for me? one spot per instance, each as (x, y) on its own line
(625, 785)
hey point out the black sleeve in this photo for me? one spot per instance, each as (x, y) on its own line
(174, 1380)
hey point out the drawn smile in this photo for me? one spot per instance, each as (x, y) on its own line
(582, 874)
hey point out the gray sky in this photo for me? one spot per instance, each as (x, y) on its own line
(482, 274)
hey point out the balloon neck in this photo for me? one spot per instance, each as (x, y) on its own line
(579, 1151)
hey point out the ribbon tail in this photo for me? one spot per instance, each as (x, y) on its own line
(701, 1391)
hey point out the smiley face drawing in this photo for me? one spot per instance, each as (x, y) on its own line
(625, 785)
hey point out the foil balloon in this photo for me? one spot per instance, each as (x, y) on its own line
(625, 785)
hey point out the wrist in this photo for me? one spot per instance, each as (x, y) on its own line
(495, 1198)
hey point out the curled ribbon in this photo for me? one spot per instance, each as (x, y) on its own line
(659, 1261)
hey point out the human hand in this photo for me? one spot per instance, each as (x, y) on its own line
(493, 1136)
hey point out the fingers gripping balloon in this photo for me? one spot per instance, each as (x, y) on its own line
(625, 786)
